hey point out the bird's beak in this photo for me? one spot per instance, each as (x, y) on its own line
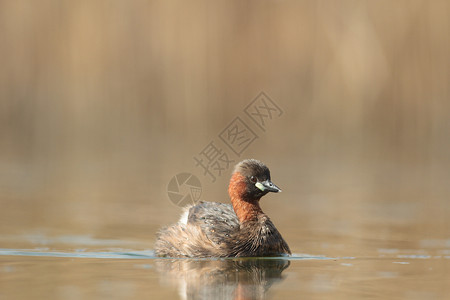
(268, 186)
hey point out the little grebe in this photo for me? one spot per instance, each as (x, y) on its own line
(210, 229)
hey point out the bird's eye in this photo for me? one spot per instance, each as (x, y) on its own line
(253, 179)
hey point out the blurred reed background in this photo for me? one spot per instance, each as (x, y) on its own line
(102, 102)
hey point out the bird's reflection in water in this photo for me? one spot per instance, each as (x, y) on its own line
(244, 278)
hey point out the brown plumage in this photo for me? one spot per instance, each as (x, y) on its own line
(210, 229)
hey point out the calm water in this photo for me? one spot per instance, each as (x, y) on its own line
(80, 267)
(350, 241)
(113, 274)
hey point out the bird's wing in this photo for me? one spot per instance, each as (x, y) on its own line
(217, 220)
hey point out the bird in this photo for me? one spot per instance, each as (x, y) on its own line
(239, 229)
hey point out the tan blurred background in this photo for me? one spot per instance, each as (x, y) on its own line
(102, 102)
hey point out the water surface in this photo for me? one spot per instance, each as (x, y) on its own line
(95, 271)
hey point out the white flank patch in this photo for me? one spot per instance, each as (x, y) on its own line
(184, 217)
